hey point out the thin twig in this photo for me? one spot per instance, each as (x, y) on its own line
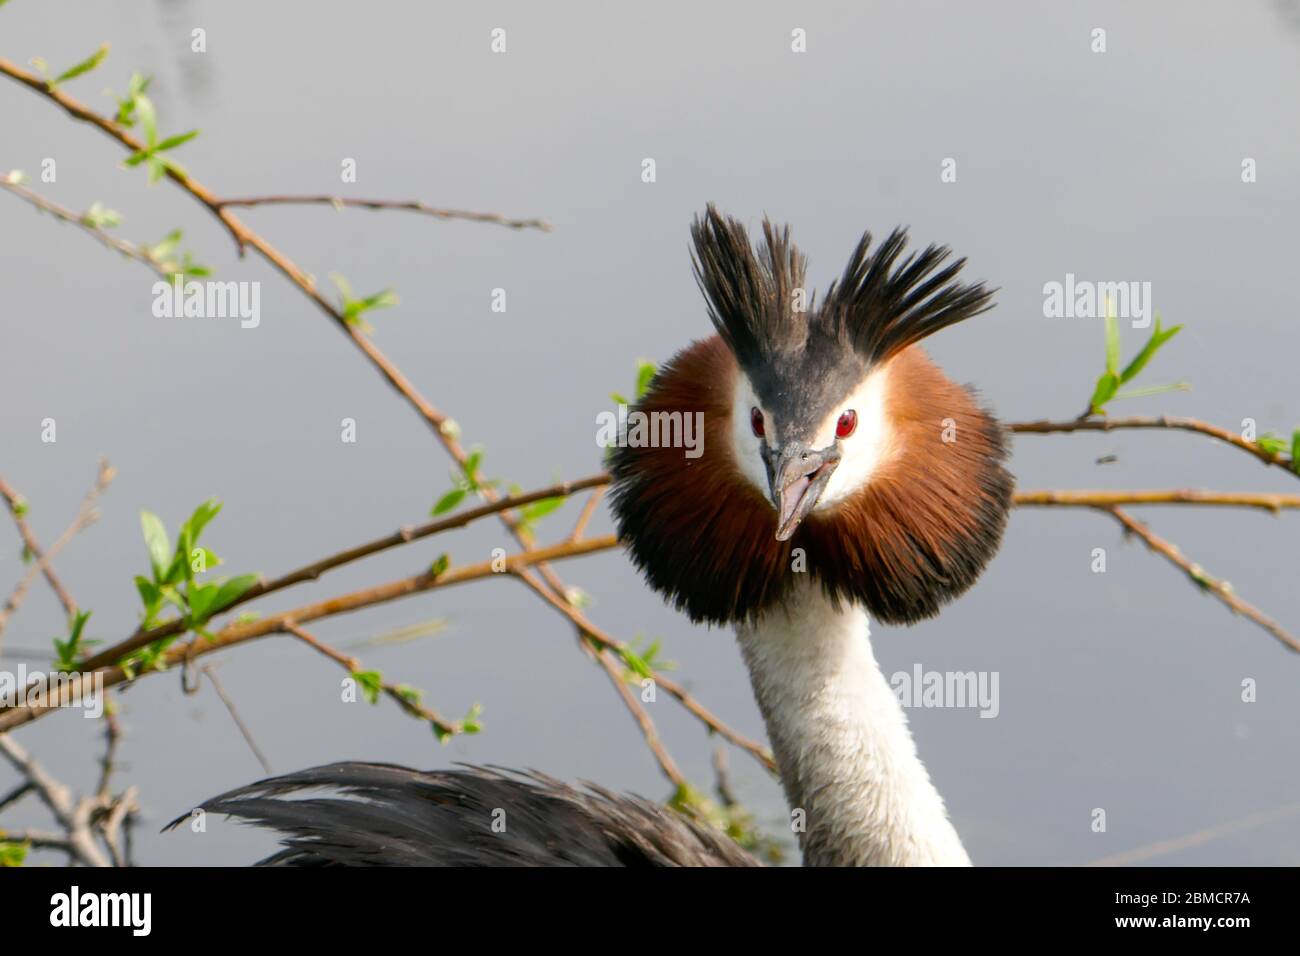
(115, 826)
(313, 571)
(1178, 496)
(694, 707)
(112, 738)
(16, 504)
(394, 691)
(588, 509)
(339, 202)
(1045, 427)
(129, 249)
(242, 631)
(1150, 851)
(86, 516)
(72, 817)
(16, 794)
(239, 721)
(639, 714)
(1219, 588)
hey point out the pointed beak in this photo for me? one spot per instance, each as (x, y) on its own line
(797, 475)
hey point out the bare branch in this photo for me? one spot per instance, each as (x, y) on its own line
(1045, 427)
(1178, 496)
(693, 706)
(311, 572)
(16, 505)
(73, 817)
(588, 509)
(1215, 586)
(242, 631)
(352, 665)
(86, 516)
(339, 202)
(129, 249)
(239, 721)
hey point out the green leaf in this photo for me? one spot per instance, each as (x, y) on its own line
(380, 300)
(127, 105)
(149, 594)
(1112, 342)
(192, 268)
(645, 373)
(371, 684)
(1272, 444)
(352, 309)
(412, 695)
(67, 650)
(440, 565)
(1295, 451)
(636, 662)
(448, 501)
(540, 509)
(1106, 388)
(619, 399)
(166, 245)
(155, 536)
(85, 66)
(470, 723)
(12, 853)
(232, 590)
(99, 216)
(469, 470)
(203, 514)
(146, 116)
(201, 598)
(173, 597)
(171, 142)
(210, 560)
(1148, 390)
(1158, 338)
(177, 571)
(206, 600)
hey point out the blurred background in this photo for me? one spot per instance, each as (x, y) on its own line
(1119, 691)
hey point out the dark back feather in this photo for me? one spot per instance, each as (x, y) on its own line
(385, 815)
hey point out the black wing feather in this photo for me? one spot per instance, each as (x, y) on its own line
(385, 815)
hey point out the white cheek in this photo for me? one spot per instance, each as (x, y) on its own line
(747, 446)
(863, 451)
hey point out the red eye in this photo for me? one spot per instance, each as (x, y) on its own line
(756, 421)
(847, 424)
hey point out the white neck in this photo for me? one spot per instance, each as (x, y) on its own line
(841, 740)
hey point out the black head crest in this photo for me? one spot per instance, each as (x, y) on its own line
(880, 306)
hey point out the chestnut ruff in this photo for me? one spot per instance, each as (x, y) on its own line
(913, 538)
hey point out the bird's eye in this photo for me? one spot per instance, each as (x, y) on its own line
(847, 424)
(756, 421)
